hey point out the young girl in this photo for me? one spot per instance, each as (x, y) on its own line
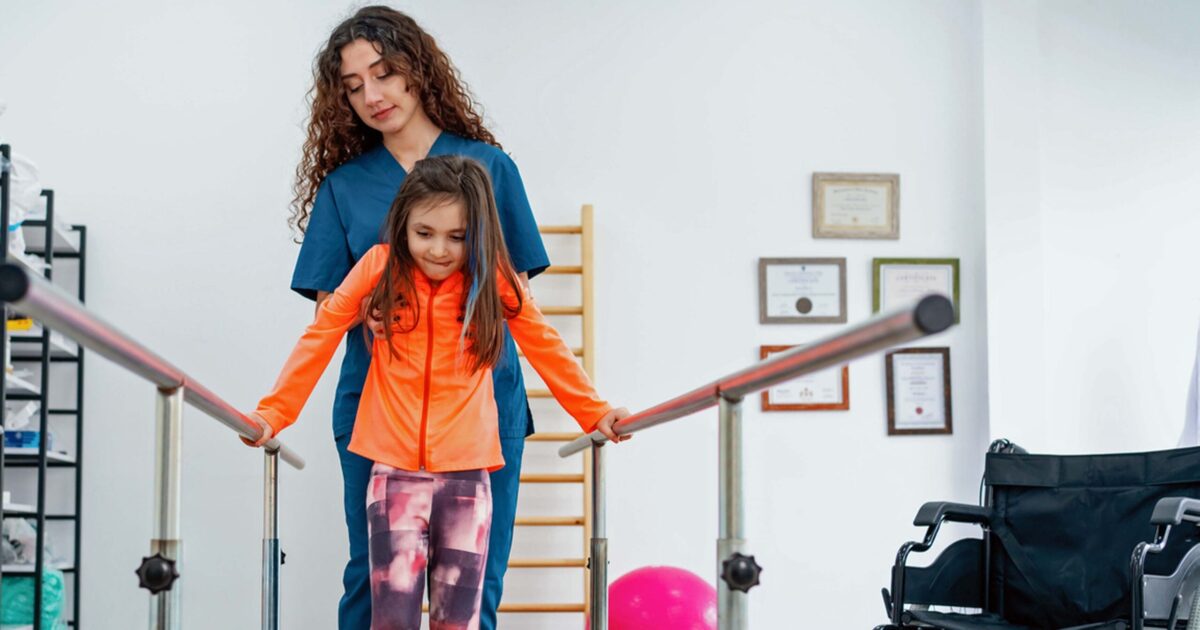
(427, 417)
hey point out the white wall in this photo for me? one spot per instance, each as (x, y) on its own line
(172, 130)
(1092, 123)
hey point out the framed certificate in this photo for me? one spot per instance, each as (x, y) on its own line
(918, 391)
(856, 205)
(900, 281)
(802, 290)
(826, 390)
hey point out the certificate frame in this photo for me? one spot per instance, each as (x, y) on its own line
(947, 427)
(878, 299)
(884, 214)
(767, 405)
(764, 292)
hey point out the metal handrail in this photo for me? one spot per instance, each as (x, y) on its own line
(41, 300)
(931, 314)
(36, 297)
(738, 573)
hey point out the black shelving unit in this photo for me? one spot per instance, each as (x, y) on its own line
(41, 350)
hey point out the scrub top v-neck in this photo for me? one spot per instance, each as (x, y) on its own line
(347, 219)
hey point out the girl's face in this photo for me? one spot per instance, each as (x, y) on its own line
(379, 95)
(437, 232)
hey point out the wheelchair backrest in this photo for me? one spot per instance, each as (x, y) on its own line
(1066, 525)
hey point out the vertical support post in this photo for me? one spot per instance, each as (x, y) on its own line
(270, 583)
(164, 605)
(732, 606)
(598, 562)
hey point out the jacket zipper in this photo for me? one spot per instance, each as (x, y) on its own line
(428, 374)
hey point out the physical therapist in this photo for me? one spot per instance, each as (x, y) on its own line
(384, 97)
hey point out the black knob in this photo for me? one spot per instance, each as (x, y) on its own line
(740, 572)
(157, 574)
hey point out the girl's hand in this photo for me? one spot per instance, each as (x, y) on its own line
(267, 431)
(605, 425)
(371, 317)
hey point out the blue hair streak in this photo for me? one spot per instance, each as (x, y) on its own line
(478, 270)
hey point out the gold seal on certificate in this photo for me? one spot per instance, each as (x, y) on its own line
(856, 205)
(902, 281)
(918, 391)
(827, 389)
(802, 290)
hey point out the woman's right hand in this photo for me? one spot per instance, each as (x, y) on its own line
(371, 317)
(267, 431)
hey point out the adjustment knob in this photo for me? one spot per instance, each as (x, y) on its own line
(740, 572)
(157, 573)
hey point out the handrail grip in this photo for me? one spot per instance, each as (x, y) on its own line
(928, 315)
(36, 297)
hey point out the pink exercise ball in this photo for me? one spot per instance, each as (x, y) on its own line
(661, 598)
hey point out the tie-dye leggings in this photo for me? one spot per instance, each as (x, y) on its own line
(435, 523)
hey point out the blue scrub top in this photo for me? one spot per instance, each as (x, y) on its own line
(347, 219)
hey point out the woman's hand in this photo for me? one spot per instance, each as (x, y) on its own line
(371, 317)
(267, 431)
(605, 425)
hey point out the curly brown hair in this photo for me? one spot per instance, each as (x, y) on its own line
(335, 133)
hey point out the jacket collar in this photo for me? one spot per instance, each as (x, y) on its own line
(453, 283)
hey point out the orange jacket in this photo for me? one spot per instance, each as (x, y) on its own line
(422, 410)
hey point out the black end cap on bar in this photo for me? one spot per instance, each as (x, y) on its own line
(934, 314)
(14, 284)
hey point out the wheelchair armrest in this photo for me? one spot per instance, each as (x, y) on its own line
(1175, 510)
(935, 512)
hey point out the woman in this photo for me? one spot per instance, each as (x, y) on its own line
(384, 97)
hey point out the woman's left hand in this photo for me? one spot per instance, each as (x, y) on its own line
(605, 425)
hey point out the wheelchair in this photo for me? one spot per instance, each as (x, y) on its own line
(1069, 542)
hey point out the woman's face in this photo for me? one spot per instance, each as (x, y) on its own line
(379, 95)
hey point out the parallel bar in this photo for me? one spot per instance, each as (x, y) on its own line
(164, 606)
(56, 309)
(931, 314)
(204, 400)
(685, 405)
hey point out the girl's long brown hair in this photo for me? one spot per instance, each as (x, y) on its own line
(432, 182)
(335, 133)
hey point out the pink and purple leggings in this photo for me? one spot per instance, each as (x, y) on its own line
(435, 524)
